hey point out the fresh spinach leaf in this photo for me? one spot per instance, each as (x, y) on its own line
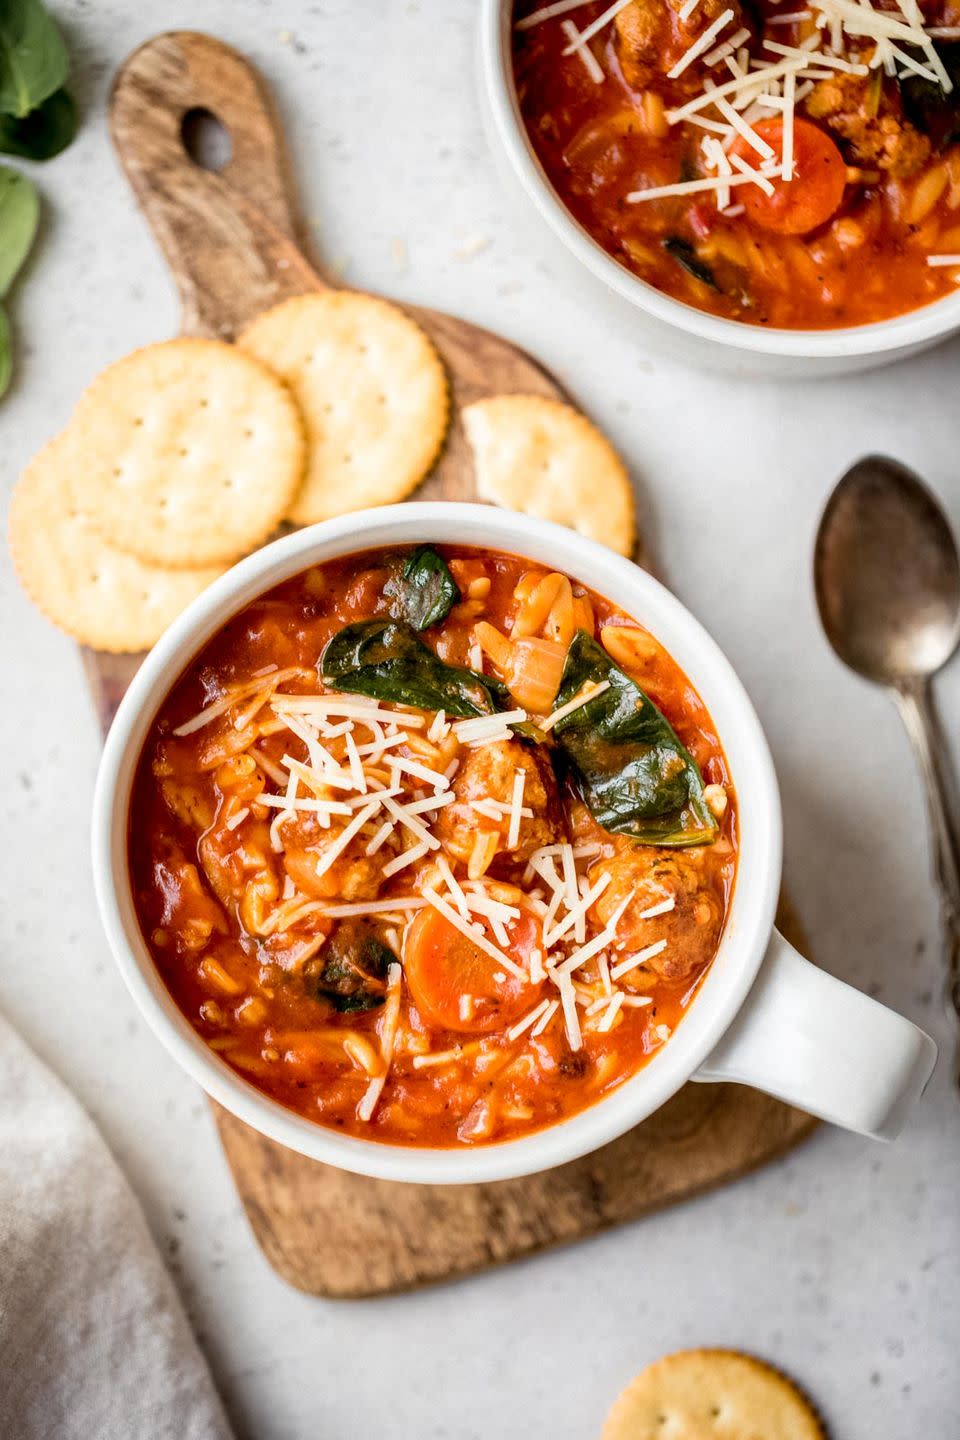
(388, 661)
(354, 970)
(927, 106)
(685, 255)
(424, 590)
(19, 213)
(624, 757)
(33, 57)
(44, 132)
(6, 352)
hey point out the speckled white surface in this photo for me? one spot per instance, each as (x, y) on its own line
(841, 1263)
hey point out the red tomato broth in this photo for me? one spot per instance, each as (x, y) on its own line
(860, 258)
(204, 903)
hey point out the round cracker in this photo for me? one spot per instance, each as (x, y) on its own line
(101, 596)
(187, 453)
(544, 458)
(712, 1395)
(372, 390)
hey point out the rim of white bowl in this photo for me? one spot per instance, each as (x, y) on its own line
(927, 324)
(745, 937)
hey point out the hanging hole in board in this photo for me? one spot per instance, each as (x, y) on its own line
(205, 139)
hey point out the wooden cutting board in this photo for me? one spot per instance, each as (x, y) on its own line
(231, 241)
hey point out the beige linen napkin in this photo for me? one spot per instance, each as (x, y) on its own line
(94, 1344)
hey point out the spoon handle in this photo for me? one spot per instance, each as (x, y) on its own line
(923, 726)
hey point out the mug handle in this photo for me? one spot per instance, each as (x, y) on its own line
(823, 1046)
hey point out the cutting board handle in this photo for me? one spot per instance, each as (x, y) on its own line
(228, 235)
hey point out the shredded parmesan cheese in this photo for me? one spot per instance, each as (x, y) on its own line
(611, 1012)
(639, 958)
(699, 45)
(338, 846)
(516, 809)
(421, 772)
(227, 702)
(401, 861)
(545, 1018)
(437, 1057)
(439, 729)
(601, 22)
(663, 908)
(728, 47)
(560, 7)
(529, 1020)
(592, 66)
(374, 907)
(589, 692)
(691, 187)
(483, 727)
(388, 1037)
(453, 885)
(571, 1020)
(577, 911)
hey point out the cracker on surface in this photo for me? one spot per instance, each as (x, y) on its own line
(99, 595)
(544, 458)
(712, 1395)
(186, 453)
(373, 393)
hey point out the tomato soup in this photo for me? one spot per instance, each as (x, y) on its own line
(785, 165)
(433, 846)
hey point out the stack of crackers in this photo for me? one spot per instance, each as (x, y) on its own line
(184, 456)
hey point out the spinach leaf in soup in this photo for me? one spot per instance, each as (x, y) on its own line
(424, 591)
(33, 57)
(686, 256)
(353, 967)
(19, 214)
(44, 132)
(934, 111)
(624, 757)
(387, 660)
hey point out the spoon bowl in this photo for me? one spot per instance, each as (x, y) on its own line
(887, 574)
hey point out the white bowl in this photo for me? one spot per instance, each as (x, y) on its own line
(683, 330)
(805, 1064)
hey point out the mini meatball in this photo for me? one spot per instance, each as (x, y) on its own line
(651, 37)
(883, 139)
(487, 773)
(691, 929)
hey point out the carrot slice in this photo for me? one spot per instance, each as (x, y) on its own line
(441, 967)
(816, 190)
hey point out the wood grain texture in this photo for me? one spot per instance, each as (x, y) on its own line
(231, 242)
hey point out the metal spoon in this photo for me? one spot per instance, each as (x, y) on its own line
(887, 576)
